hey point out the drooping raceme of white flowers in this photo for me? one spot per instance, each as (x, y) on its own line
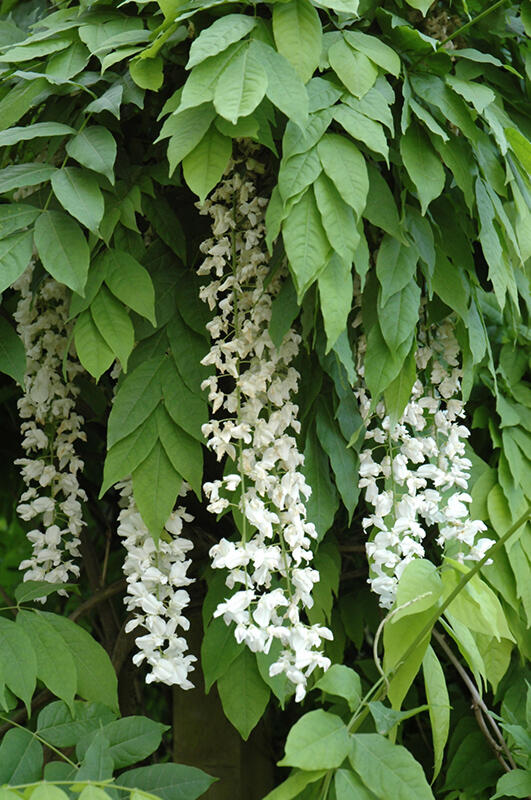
(415, 473)
(253, 427)
(50, 429)
(156, 577)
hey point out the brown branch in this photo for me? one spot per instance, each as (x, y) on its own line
(99, 597)
(481, 711)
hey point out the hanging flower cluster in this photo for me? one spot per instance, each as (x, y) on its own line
(156, 575)
(252, 390)
(50, 429)
(415, 473)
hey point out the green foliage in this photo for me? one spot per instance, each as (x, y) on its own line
(396, 142)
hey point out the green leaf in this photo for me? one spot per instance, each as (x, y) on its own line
(422, 164)
(218, 36)
(395, 266)
(419, 588)
(62, 249)
(343, 459)
(477, 94)
(199, 88)
(284, 311)
(206, 163)
(155, 487)
(323, 501)
(399, 316)
(345, 166)
(92, 350)
(187, 409)
(31, 590)
(297, 173)
(62, 728)
(439, 706)
(298, 35)
(17, 101)
(520, 146)
(385, 718)
(95, 148)
(285, 89)
(168, 781)
(125, 456)
(376, 50)
(491, 244)
(21, 758)
(496, 657)
(318, 740)
(18, 662)
(240, 87)
(64, 65)
(362, 128)
(306, 243)
(186, 129)
(449, 283)
(342, 681)
(96, 679)
(422, 5)
(15, 255)
(137, 398)
(219, 649)
(114, 324)
(398, 637)
(429, 121)
(79, 194)
(55, 665)
(243, 693)
(110, 101)
(388, 770)
(131, 739)
(12, 352)
(374, 104)
(46, 791)
(35, 131)
(184, 452)
(148, 73)
(97, 762)
(130, 282)
(293, 785)
(188, 349)
(398, 394)
(335, 292)
(348, 786)
(476, 605)
(337, 218)
(19, 176)
(381, 208)
(516, 783)
(27, 52)
(355, 70)
(381, 365)
(14, 216)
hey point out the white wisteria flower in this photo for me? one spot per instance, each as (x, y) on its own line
(50, 429)
(156, 577)
(256, 419)
(415, 473)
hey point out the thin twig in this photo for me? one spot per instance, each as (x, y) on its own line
(481, 711)
(99, 597)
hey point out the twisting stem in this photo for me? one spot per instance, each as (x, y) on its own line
(480, 709)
